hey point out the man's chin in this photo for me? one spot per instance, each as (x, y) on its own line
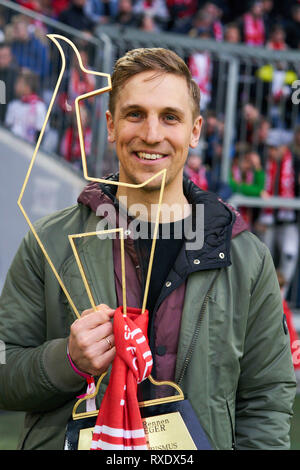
(153, 185)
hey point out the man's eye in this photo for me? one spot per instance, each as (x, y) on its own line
(170, 117)
(134, 114)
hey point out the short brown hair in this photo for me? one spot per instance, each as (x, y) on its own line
(156, 59)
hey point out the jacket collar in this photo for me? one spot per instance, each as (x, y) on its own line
(221, 222)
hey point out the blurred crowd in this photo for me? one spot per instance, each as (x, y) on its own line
(265, 151)
(256, 23)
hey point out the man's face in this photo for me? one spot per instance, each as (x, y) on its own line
(153, 118)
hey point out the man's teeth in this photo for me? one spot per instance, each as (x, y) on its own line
(149, 156)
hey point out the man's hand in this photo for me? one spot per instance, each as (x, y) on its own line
(89, 349)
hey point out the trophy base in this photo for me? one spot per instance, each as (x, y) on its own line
(168, 426)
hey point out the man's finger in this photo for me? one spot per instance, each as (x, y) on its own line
(104, 362)
(95, 335)
(103, 308)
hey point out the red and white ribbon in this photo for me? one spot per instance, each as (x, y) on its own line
(119, 424)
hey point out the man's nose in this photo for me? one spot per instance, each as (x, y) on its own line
(152, 131)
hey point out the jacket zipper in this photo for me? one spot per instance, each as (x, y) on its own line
(231, 425)
(191, 350)
(196, 333)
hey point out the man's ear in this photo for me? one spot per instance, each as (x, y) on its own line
(110, 127)
(196, 132)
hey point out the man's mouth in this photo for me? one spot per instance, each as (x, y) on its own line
(149, 156)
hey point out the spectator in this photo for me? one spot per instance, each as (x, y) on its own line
(30, 4)
(50, 8)
(293, 28)
(247, 178)
(147, 23)
(269, 15)
(213, 141)
(200, 65)
(196, 171)
(125, 16)
(75, 16)
(278, 228)
(232, 33)
(155, 9)
(28, 50)
(284, 9)
(79, 82)
(253, 26)
(249, 122)
(26, 114)
(260, 138)
(8, 74)
(46, 8)
(101, 11)
(181, 14)
(203, 177)
(70, 144)
(216, 14)
(268, 6)
(202, 25)
(58, 6)
(213, 146)
(233, 10)
(277, 39)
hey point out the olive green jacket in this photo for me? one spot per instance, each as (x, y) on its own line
(233, 356)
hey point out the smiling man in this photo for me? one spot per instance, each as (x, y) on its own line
(216, 323)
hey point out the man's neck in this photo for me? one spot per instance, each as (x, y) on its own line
(143, 204)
